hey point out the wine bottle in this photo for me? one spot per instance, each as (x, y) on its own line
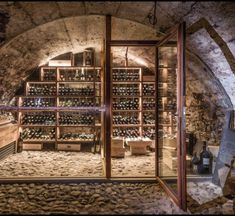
(205, 160)
(195, 161)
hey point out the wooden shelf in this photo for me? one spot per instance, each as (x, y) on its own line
(38, 141)
(78, 82)
(42, 82)
(126, 96)
(82, 96)
(126, 125)
(126, 110)
(148, 125)
(5, 122)
(76, 67)
(62, 141)
(126, 82)
(36, 109)
(146, 96)
(37, 96)
(92, 125)
(37, 125)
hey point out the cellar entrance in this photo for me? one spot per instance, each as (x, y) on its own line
(103, 111)
(111, 109)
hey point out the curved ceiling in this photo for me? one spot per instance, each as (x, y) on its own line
(30, 29)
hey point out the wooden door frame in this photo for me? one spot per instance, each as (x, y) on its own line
(180, 198)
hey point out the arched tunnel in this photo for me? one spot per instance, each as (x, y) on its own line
(34, 33)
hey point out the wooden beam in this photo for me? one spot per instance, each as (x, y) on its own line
(139, 43)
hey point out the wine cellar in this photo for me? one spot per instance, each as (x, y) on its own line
(111, 99)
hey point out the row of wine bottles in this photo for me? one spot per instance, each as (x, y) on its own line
(126, 104)
(119, 119)
(126, 132)
(79, 75)
(148, 118)
(37, 134)
(88, 102)
(85, 119)
(6, 116)
(46, 119)
(76, 136)
(45, 89)
(126, 75)
(132, 89)
(46, 102)
(149, 104)
(148, 90)
(85, 91)
(38, 102)
(149, 132)
(49, 75)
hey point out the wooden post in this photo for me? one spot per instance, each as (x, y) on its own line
(107, 97)
(156, 113)
(181, 117)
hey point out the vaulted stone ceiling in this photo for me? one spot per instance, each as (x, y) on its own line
(32, 32)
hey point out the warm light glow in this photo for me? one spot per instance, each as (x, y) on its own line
(137, 60)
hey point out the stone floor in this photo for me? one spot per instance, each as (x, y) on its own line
(206, 198)
(100, 198)
(81, 164)
(106, 198)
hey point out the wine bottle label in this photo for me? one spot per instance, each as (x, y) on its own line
(206, 161)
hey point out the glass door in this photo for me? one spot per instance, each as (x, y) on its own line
(170, 111)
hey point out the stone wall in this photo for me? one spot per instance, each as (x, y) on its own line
(206, 103)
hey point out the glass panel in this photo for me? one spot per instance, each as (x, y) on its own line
(133, 107)
(123, 29)
(167, 119)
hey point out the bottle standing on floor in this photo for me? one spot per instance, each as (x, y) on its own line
(195, 161)
(205, 160)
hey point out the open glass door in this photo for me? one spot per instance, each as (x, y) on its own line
(170, 117)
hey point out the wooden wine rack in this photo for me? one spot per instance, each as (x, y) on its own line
(141, 111)
(94, 82)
